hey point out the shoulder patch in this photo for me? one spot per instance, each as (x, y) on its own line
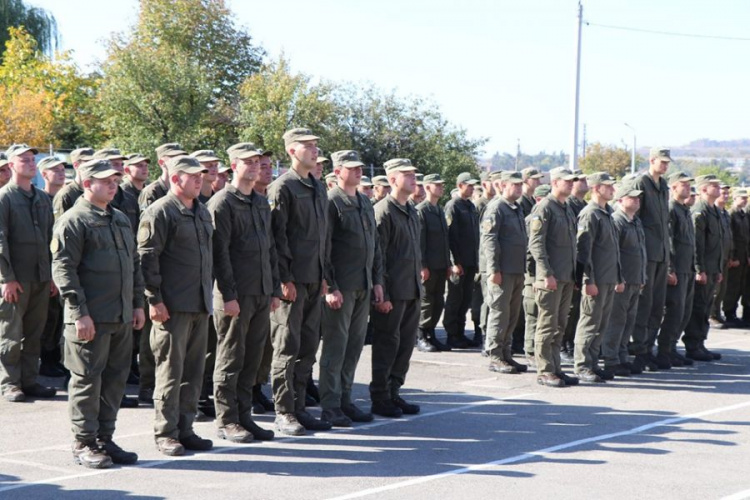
(54, 245)
(144, 232)
(487, 225)
(536, 223)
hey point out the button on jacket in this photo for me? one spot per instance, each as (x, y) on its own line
(25, 233)
(504, 239)
(244, 251)
(463, 231)
(353, 259)
(298, 218)
(434, 236)
(681, 239)
(552, 239)
(95, 264)
(398, 230)
(598, 248)
(176, 255)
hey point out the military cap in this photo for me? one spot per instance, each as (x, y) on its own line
(19, 149)
(298, 135)
(531, 173)
(484, 176)
(466, 178)
(380, 180)
(598, 178)
(702, 180)
(266, 152)
(432, 179)
(346, 158)
(496, 175)
(724, 185)
(579, 173)
(169, 149)
(420, 179)
(108, 154)
(562, 173)
(740, 193)
(134, 158)
(81, 154)
(3, 159)
(186, 164)
(242, 150)
(365, 181)
(679, 176)
(97, 168)
(330, 177)
(542, 190)
(629, 177)
(660, 153)
(399, 165)
(204, 155)
(224, 168)
(49, 162)
(512, 177)
(626, 188)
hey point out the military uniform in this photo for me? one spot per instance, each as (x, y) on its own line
(154, 191)
(478, 308)
(527, 204)
(463, 237)
(435, 257)
(130, 188)
(503, 250)
(25, 231)
(66, 198)
(598, 251)
(175, 247)
(97, 269)
(726, 245)
(736, 277)
(552, 243)
(576, 205)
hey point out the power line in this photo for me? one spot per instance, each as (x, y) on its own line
(668, 33)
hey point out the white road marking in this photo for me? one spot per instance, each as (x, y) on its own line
(742, 495)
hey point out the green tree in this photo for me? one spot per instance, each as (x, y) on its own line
(39, 23)
(175, 76)
(612, 159)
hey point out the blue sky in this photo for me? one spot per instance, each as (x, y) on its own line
(503, 69)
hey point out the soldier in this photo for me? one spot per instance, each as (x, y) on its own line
(418, 195)
(681, 275)
(598, 251)
(531, 180)
(353, 271)
(739, 258)
(53, 172)
(693, 195)
(654, 214)
(395, 319)
(320, 163)
(708, 266)
(136, 168)
(222, 177)
(365, 187)
(4, 170)
(174, 242)
(552, 244)
(97, 270)
(502, 264)
(330, 181)
(717, 319)
(247, 289)
(69, 193)
(463, 237)
(265, 176)
(160, 187)
(25, 232)
(210, 161)
(436, 264)
(381, 188)
(632, 248)
(479, 310)
(298, 202)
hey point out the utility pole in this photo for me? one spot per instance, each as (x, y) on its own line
(574, 152)
(583, 146)
(632, 154)
(518, 153)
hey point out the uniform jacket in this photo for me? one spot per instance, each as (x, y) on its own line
(552, 239)
(433, 236)
(398, 230)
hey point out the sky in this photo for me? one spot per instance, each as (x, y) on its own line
(503, 69)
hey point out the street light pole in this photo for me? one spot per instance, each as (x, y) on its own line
(632, 155)
(574, 153)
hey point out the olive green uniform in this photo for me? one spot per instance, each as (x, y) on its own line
(245, 268)
(66, 197)
(736, 276)
(576, 204)
(552, 243)
(174, 243)
(479, 309)
(530, 308)
(25, 232)
(727, 240)
(299, 229)
(598, 251)
(353, 267)
(435, 257)
(395, 332)
(502, 249)
(97, 270)
(154, 191)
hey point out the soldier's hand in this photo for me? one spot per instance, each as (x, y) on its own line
(620, 288)
(85, 328)
(275, 303)
(701, 278)
(425, 274)
(232, 308)
(591, 290)
(458, 270)
(159, 313)
(377, 291)
(289, 291)
(719, 278)
(385, 307)
(550, 283)
(497, 278)
(139, 318)
(734, 263)
(52, 289)
(672, 279)
(335, 300)
(11, 290)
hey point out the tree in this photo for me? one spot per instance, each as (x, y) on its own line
(175, 76)
(611, 159)
(39, 23)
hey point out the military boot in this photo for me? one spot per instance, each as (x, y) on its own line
(117, 454)
(90, 455)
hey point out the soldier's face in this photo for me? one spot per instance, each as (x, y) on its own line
(213, 170)
(382, 191)
(4, 175)
(631, 203)
(118, 165)
(265, 175)
(532, 182)
(138, 171)
(489, 189)
(436, 189)
(24, 165)
(512, 191)
(55, 175)
(465, 190)
(221, 181)
(351, 176)
(248, 168)
(563, 187)
(659, 166)
(102, 190)
(406, 182)
(189, 185)
(418, 194)
(681, 190)
(306, 153)
(740, 202)
(580, 187)
(712, 190)
(365, 190)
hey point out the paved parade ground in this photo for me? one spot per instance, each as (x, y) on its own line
(683, 433)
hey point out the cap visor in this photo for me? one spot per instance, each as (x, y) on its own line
(193, 170)
(178, 152)
(206, 158)
(107, 173)
(352, 164)
(243, 155)
(515, 181)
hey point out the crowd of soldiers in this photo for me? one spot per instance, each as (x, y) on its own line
(227, 283)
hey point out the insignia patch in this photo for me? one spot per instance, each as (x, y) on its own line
(144, 232)
(54, 245)
(487, 225)
(536, 224)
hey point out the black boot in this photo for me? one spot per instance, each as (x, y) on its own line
(432, 339)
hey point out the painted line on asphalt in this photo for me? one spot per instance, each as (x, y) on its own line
(223, 449)
(742, 495)
(727, 342)
(34, 464)
(440, 363)
(540, 453)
